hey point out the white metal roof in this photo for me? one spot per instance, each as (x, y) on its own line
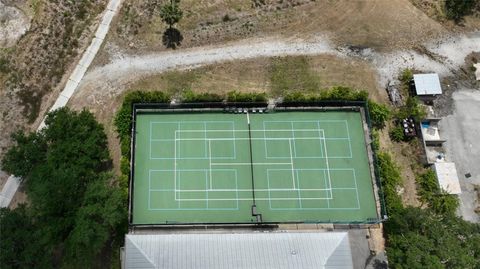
(427, 84)
(447, 177)
(242, 250)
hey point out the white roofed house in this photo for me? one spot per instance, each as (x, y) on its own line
(427, 86)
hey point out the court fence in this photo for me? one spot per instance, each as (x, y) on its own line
(327, 105)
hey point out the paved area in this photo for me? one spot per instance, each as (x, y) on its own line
(461, 131)
(113, 7)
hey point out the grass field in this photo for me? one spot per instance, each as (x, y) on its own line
(197, 168)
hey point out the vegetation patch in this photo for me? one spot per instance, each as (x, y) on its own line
(76, 210)
(44, 53)
(292, 73)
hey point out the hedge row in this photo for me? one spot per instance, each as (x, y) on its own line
(335, 93)
(123, 119)
(391, 180)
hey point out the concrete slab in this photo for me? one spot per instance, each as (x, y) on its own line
(108, 17)
(102, 31)
(461, 131)
(69, 88)
(9, 190)
(95, 45)
(114, 5)
(87, 59)
(78, 73)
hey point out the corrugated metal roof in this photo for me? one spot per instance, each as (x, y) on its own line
(427, 84)
(447, 177)
(242, 250)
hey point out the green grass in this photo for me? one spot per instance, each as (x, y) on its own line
(292, 74)
(196, 168)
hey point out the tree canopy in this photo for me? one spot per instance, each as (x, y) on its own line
(457, 9)
(171, 12)
(74, 206)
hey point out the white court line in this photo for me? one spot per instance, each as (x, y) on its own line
(206, 183)
(210, 161)
(175, 161)
(205, 136)
(246, 130)
(320, 137)
(248, 190)
(349, 141)
(250, 164)
(293, 136)
(150, 138)
(298, 191)
(291, 161)
(326, 162)
(234, 142)
(149, 188)
(356, 188)
(325, 180)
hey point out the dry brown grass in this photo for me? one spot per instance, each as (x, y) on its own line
(379, 24)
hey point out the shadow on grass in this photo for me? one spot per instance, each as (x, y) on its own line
(172, 38)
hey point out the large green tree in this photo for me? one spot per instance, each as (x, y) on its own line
(420, 238)
(73, 205)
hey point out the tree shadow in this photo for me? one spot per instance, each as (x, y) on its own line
(377, 264)
(172, 38)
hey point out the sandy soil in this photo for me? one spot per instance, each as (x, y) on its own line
(13, 24)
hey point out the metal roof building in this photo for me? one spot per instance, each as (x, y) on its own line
(427, 84)
(277, 250)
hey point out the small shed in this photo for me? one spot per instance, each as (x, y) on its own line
(427, 86)
(447, 177)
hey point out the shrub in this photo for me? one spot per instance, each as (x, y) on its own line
(406, 76)
(379, 114)
(412, 108)
(457, 9)
(430, 193)
(334, 94)
(235, 96)
(123, 119)
(191, 97)
(396, 134)
(391, 179)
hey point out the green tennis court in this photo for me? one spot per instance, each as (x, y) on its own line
(211, 168)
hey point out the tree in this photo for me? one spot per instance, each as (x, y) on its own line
(171, 13)
(63, 168)
(457, 9)
(102, 214)
(21, 244)
(419, 238)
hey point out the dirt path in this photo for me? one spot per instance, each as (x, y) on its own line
(105, 82)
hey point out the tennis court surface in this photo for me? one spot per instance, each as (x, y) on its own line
(213, 167)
